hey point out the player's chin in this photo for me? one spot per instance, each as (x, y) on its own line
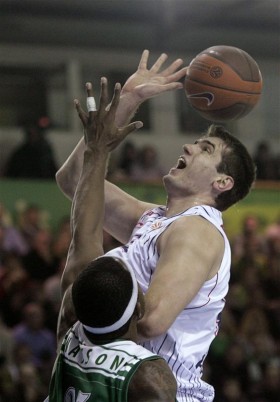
(169, 176)
(173, 172)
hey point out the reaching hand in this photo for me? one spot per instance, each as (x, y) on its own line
(146, 83)
(100, 131)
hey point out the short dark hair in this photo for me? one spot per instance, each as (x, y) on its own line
(101, 292)
(237, 163)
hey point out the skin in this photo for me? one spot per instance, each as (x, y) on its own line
(198, 183)
(144, 84)
(101, 137)
(153, 381)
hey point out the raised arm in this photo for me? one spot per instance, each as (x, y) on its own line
(145, 83)
(101, 136)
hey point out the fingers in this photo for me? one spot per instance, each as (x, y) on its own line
(91, 105)
(82, 115)
(116, 98)
(162, 58)
(177, 75)
(170, 73)
(144, 60)
(172, 68)
(89, 89)
(103, 94)
(124, 131)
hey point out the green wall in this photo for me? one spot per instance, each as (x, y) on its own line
(263, 201)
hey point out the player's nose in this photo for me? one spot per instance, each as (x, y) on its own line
(188, 149)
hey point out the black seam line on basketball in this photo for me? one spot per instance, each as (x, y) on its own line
(227, 89)
(218, 57)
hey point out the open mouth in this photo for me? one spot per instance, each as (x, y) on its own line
(181, 163)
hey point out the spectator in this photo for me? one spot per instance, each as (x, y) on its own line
(34, 158)
(147, 168)
(26, 377)
(61, 240)
(14, 289)
(271, 383)
(40, 263)
(32, 332)
(6, 343)
(249, 245)
(11, 239)
(232, 391)
(233, 365)
(265, 162)
(127, 161)
(52, 296)
(30, 223)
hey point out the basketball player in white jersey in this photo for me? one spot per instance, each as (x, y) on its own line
(98, 359)
(179, 252)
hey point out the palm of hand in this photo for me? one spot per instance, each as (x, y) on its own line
(102, 133)
(145, 84)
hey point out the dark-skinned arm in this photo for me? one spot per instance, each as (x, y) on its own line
(152, 382)
(101, 136)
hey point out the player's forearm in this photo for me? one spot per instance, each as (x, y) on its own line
(87, 228)
(88, 204)
(127, 108)
(68, 175)
(86, 217)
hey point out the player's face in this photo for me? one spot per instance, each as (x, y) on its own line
(195, 171)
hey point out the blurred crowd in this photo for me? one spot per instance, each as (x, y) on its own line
(244, 359)
(34, 158)
(143, 164)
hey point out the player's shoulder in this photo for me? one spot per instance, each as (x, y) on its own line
(189, 229)
(152, 381)
(197, 223)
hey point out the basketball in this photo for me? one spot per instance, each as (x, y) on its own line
(223, 83)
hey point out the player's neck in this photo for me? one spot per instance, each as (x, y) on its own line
(176, 205)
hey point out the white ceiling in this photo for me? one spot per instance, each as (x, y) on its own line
(180, 26)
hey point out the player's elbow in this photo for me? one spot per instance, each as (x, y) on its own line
(59, 175)
(65, 183)
(152, 325)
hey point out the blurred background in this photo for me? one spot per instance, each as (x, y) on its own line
(48, 50)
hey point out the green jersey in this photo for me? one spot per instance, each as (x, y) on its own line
(84, 371)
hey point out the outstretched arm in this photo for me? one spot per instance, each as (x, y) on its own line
(142, 85)
(101, 136)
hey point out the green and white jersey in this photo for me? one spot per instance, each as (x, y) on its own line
(94, 373)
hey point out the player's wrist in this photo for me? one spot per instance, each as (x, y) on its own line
(95, 154)
(130, 99)
(129, 103)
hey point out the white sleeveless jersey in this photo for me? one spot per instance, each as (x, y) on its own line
(187, 341)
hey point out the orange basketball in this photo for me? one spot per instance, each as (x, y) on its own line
(223, 83)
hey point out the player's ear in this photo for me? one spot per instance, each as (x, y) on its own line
(223, 183)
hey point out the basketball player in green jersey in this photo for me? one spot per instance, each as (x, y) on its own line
(98, 359)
